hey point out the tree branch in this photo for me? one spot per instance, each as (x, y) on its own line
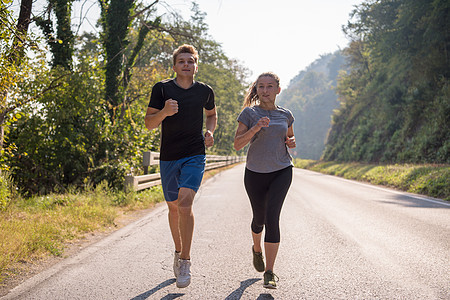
(144, 10)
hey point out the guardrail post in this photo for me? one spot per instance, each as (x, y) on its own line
(146, 161)
(130, 183)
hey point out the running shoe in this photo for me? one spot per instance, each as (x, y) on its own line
(270, 280)
(258, 260)
(176, 264)
(184, 277)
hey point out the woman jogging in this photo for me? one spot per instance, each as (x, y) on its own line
(268, 173)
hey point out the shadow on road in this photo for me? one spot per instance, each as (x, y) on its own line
(265, 296)
(172, 296)
(237, 294)
(410, 201)
(147, 294)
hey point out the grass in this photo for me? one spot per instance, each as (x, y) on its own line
(41, 226)
(426, 179)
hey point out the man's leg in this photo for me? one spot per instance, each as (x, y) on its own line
(181, 221)
(189, 181)
(186, 230)
(173, 224)
(185, 220)
(169, 171)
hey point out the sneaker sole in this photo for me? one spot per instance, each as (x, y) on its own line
(183, 285)
(260, 270)
(269, 286)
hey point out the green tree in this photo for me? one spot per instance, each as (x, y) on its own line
(69, 139)
(19, 75)
(116, 20)
(394, 101)
(61, 44)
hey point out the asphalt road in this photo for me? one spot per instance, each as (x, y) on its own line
(339, 240)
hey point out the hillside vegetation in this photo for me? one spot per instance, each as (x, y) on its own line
(312, 98)
(384, 98)
(395, 101)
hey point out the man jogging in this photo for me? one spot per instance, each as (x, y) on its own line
(178, 105)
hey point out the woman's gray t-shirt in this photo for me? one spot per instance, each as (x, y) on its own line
(267, 151)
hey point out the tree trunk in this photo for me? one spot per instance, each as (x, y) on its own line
(22, 28)
(63, 48)
(24, 16)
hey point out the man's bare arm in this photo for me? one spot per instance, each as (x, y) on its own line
(154, 116)
(211, 123)
(211, 119)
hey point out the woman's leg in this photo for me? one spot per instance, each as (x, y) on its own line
(256, 192)
(278, 189)
(257, 241)
(271, 250)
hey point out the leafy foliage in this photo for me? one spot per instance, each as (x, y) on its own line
(116, 21)
(20, 76)
(71, 141)
(395, 104)
(66, 139)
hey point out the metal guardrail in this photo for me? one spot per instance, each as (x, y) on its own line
(141, 182)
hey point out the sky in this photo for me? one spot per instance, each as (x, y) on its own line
(282, 36)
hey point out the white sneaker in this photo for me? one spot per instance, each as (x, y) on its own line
(184, 277)
(176, 264)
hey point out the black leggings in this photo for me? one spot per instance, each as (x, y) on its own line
(267, 192)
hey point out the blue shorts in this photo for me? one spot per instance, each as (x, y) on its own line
(185, 172)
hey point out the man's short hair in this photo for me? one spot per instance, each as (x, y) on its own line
(185, 49)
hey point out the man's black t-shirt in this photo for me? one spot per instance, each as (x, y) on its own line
(182, 133)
